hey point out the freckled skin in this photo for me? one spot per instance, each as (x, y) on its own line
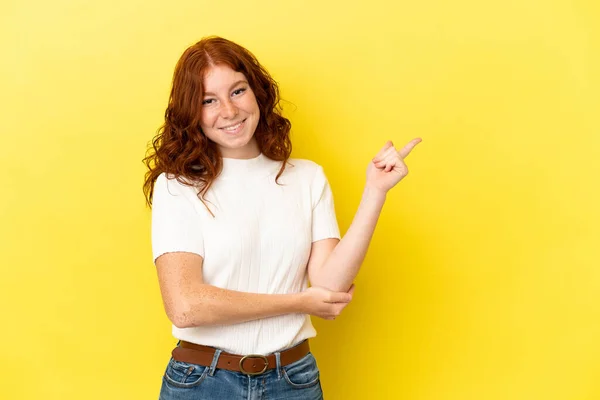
(189, 302)
(229, 100)
(333, 264)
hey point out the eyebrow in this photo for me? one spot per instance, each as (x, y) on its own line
(232, 86)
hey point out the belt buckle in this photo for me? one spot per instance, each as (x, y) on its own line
(253, 356)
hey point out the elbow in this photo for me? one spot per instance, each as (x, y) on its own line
(180, 321)
(318, 278)
(183, 316)
(178, 318)
(188, 309)
(329, 283)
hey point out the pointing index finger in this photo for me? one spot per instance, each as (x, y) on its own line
(405, 151)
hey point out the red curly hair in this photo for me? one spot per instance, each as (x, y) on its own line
(181, 148)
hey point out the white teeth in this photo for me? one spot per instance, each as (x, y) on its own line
(232, 128)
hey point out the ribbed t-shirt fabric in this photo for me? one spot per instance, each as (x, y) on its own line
(259, 241)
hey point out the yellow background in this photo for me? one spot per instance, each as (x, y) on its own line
(483, 278)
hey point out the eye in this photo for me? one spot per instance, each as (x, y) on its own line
(207, 101)
(239, 91)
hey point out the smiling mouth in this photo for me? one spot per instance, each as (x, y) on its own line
(232, 128)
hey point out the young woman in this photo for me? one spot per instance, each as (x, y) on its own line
(239, 230)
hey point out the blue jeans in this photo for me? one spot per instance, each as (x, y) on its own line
(297, 381)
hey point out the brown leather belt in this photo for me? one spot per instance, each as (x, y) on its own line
(252, 364)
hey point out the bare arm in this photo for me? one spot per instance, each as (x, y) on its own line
(188, 301)
(334, 264)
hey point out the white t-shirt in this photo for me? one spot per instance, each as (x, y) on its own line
(259, 241)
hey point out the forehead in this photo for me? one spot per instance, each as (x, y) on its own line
(220, 78)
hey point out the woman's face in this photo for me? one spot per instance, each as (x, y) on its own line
(230, 112)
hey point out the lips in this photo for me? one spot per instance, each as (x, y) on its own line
(234, 127)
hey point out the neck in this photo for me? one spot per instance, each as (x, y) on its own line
(247, 152)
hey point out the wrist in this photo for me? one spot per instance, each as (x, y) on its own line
(375, 193)
(296, 303)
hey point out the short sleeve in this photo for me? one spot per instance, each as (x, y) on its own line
(176, 225)
(324, 222)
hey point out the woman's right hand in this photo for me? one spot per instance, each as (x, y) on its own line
(324, 303)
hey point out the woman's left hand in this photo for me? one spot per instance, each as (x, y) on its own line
(388, 167)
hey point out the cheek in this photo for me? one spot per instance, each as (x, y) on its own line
(251, 105)
(207, 119)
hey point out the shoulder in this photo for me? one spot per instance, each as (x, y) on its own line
(303, 163)
(308, 169)
(171, 180)
(167, 185)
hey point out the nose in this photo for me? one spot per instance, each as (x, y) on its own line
(229, 110)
